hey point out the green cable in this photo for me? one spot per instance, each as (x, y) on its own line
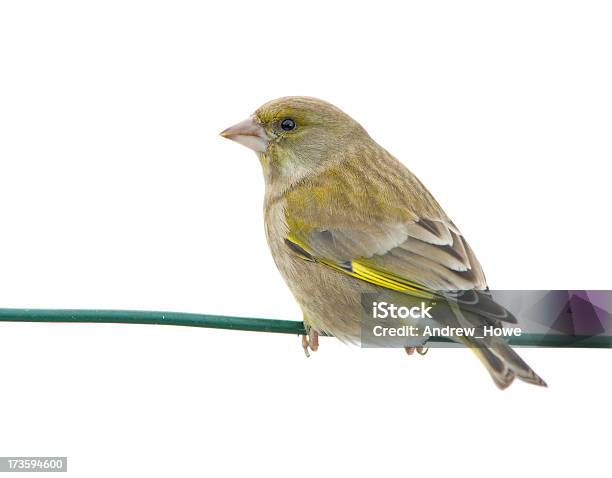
(152, 317)
(250, 324)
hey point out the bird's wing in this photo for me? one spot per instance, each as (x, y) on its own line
(417, 251)
(426, 258)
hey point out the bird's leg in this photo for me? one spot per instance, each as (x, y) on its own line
(313, 339)
(306, 345)
(310, 340)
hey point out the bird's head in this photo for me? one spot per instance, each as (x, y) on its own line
(296, 136)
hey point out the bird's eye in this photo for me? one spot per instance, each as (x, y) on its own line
(287, 124)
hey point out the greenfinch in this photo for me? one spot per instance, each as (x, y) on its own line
(344, 219)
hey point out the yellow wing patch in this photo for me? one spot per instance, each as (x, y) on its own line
(389, 280)
(365, 272)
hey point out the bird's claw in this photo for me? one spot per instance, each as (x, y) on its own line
(421, 350)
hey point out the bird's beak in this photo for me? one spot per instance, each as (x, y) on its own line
(249, 133)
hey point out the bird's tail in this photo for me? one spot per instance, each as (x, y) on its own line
(504, 364)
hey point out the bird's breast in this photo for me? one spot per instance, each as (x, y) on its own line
(330, 300)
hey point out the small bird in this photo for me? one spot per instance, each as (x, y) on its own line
(344, 218)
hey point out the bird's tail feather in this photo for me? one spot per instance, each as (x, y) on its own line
(504, 364)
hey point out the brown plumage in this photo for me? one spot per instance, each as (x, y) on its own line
(344, 218)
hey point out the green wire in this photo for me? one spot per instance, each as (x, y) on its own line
(249, 324)
(152, 317)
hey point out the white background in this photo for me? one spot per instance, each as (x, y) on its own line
(117, 192)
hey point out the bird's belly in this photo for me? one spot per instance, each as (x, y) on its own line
(331, 301)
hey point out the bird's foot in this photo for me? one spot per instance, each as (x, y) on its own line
(310, 341)
(421, 350)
